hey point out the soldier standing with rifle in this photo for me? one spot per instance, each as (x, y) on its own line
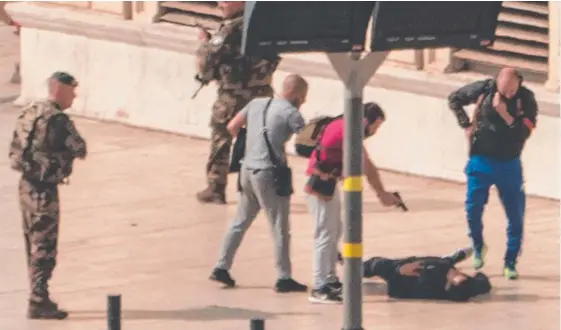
(44, 145)
(240, 79)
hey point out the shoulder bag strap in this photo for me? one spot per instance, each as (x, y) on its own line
(272, 157)
(318, 147)
(478, 105)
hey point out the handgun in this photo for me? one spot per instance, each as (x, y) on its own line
(400, 202)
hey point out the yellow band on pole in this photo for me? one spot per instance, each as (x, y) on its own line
(352, 184)
(352, 250)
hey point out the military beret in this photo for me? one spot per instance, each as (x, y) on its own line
(65, 78)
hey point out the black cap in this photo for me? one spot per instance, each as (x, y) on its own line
(65, 78)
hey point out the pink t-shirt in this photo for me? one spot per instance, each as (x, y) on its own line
(331, 144)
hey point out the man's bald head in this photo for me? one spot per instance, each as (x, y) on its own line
(508, 82)
(295, 89)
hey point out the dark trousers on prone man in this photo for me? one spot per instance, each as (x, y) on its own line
(504, 117)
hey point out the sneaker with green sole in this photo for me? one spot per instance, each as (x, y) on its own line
(479, 257)
(510, 272)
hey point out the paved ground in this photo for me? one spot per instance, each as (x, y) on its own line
(131, 226)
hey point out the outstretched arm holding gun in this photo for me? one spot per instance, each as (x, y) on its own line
(373, 177)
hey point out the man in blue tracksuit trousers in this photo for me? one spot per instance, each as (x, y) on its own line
(505, 116)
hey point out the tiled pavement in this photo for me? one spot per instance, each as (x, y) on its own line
(130, 225)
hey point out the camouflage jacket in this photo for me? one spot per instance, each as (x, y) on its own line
(221, 59)
(45, 143)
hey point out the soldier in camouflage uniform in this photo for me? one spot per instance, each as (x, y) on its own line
(44, 145)
(240, 79)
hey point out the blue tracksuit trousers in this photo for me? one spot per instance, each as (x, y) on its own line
(482, 173)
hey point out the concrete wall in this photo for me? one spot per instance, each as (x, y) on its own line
(4, 18)
(146, 83)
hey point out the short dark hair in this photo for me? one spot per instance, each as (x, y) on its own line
(373, 112)
(469, 288)
(64, 78)
(461, 292)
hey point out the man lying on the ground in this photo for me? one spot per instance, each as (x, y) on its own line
(428, 277)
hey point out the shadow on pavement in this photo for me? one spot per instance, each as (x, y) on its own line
(380, 289)
(8, 99)
(539, 278)
(209, 313)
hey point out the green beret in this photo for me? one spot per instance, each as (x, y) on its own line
(65, 78)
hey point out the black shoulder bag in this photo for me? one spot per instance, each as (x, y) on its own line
(238, 151)
(324, 189)
(282, 174)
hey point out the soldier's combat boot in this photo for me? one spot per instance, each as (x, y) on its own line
(213, 194)
(45, 310)
(40, 305)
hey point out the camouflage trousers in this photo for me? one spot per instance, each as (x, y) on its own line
(228, 104)
(40, 209)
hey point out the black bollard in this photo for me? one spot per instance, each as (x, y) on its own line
(257, 324)
(114, 312)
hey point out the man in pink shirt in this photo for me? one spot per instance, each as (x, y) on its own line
(325, 168)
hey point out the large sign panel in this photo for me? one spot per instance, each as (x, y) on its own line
(305, 26)
(433, 24)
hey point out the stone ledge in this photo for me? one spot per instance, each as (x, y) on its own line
(184, 40)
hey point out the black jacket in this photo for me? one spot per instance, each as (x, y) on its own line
(429, 285)
(492, 136)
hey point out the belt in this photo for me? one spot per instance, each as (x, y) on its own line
(257, 170)
(38, 184)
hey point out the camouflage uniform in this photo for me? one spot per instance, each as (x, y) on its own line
(240, 79)
(44, 145)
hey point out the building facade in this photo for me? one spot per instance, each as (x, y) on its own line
(527, 36)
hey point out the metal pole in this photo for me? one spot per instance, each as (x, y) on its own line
(355, 73)
(352, 171)
(257, 324)
(114, 312)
